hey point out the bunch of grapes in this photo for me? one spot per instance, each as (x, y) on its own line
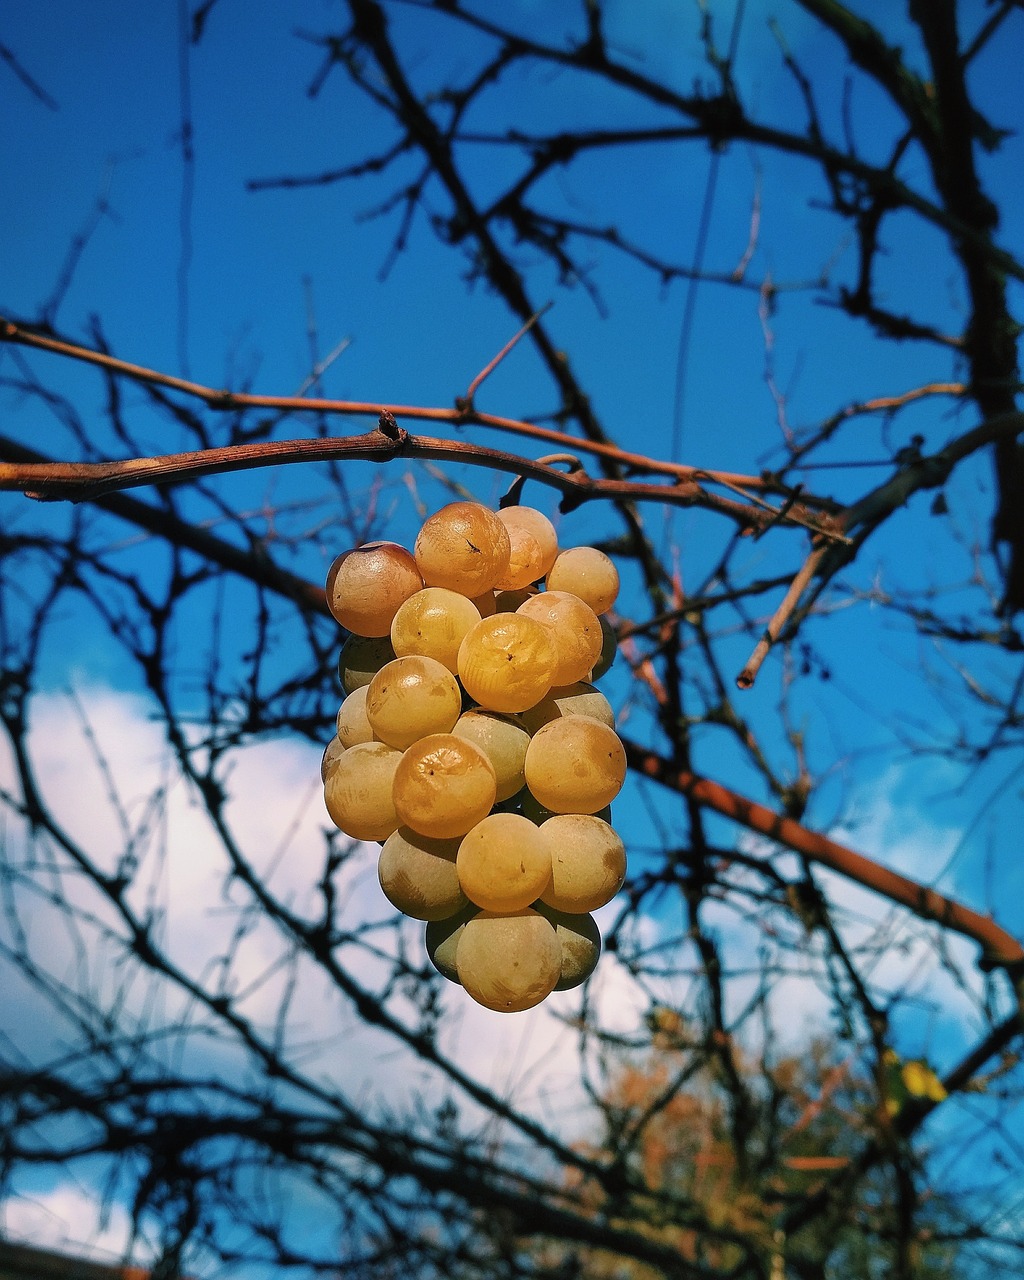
(474, 746)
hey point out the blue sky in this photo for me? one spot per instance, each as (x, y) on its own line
(254, 260)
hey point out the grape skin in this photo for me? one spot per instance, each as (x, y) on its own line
(588, 862)
(587, 573)
(504, 863)
(507, 662)
(504, 740)
(366, 586)
(575, 765)
(432, 624)
(419, 875)
(509, 963)
(443, 786)
(410, 698)
(463, 547)
(575, 631)
(358, 791)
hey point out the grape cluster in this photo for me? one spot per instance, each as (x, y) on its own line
(474, 746)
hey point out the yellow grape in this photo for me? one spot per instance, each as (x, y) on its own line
(366, 585)
(352, 724)
(587, 573)
(575, 765)
(432, 624)
(441, 939)
(504, 863)
(539, 527)
(588, 862)
(411, 697)
(333, 752)
(464, 547)
(357, 791)
(419, 875)
(575, 631)
(579, 699)
(525, 561)
(509, 962)
(507, 662)
(361, 659)
(579, 940)
(503, 741)
(443, 786)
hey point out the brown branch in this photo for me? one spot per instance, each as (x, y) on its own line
(176, 467)
(999, 948)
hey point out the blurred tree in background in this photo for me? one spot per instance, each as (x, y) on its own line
(799, 1055)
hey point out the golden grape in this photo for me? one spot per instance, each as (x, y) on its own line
(357, 791)
(575, 765)
(575, 632)
(503, 740)
(410, 698)
(443, 786)
(579, 940)
(507, 661)
(333, 752)
(352, 724)
(463, 547)
(587, 573)
(588, 862)
(419, 875)
(432, 624)
(509, 962)
(539, 527)
(504, 863)
(366, 586)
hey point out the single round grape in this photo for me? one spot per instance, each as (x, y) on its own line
(419, 875)
(609, 648)
(361, 659)
(525, 561)
(539, 527)
(579, 939)
(509, 962)
(357, 791)
(587, 573)
(411, 697)
(575, 765)
(503, 741)
(504, 863)
(575, 630)
(333, 752)
(352, 724)
(366, 586)
(579, 699)
(507, 662)
(432, 623)
(464, 547)
(443, 786)
(441, 939)
(588, 862)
